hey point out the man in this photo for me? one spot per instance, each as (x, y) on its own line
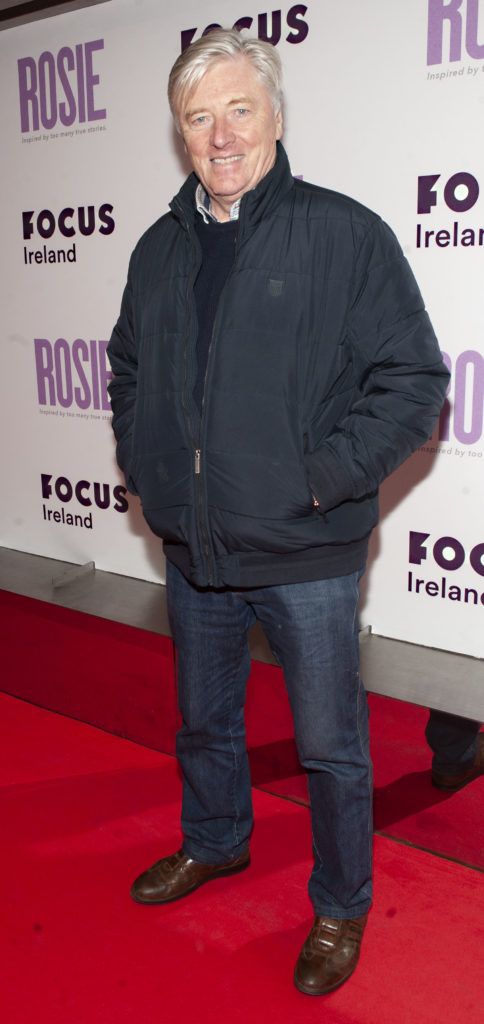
(272, 363)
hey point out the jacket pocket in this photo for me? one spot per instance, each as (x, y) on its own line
(255, 485)
(162, 479)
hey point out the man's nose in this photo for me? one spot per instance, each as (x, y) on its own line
(222, 134)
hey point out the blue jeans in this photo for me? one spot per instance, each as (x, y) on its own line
(312, 629)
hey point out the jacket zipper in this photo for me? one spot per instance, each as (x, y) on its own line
(198, 452)
(202, 512)
(202, 520)
(199, 503)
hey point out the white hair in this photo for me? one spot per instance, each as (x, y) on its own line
(223, 44)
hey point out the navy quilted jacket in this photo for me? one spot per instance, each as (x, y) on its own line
(323, 375)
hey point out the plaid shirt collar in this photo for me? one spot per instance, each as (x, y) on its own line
(202, 203)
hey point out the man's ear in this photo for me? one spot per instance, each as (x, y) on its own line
(279, 124)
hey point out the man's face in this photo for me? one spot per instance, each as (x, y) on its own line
(230, 130)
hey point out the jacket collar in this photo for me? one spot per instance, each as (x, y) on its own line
(255, 205)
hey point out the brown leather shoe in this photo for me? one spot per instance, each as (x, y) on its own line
(451, 783)
(175, 876)
(329, 955)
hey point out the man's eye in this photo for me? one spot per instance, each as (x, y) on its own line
(199, 121)
(241, 111)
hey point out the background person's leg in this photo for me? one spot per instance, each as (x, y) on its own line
(457, 748)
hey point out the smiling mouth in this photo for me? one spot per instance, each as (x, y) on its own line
(225, 159)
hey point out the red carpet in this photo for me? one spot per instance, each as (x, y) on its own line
(83, 811)
(122, 679)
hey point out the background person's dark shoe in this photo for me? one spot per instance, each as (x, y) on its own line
(177, 875)
(450, 783)
(329, 954)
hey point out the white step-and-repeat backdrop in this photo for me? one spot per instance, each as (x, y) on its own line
(385, 101)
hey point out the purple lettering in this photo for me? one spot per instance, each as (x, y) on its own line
(81, 103)
(65, 491)
(416, 550)
(27, 83)
(105, 374)
(59, 87)
(432, 588)
(92, 80)
(262, 29)
(295, 20)
(439, 12)
(243, 23)
(101, 498)
(476, 559)
(86, 224)
(119, 493)
(470, 200)
(210, 28)
(63, 488)
(45, 479)
(27, 226)
(60, 366)
(444, 418)
(47, 88)
(63, 372)
(44, 365)
(455, 560)
(187, 37)
(81, 486)
(46, 216)
(107, 222)
(442, 238)
(80, 353)
(95, 373)
(474, 49)
(466, 360)
(46, 221)
(68, 212)
(65, 63)
(427, 197)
